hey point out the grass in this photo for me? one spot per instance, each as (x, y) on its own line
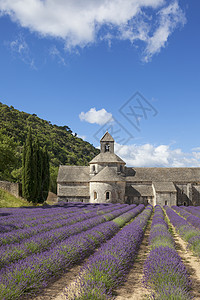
(8, 200)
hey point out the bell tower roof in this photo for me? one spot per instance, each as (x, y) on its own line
(107, 137)
(107, 155)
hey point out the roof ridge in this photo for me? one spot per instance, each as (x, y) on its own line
(107, 137)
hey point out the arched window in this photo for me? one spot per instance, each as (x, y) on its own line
(107, 148)
(165, 202)
(107, 195)
(95, 195)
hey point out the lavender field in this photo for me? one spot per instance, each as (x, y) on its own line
(40, 245)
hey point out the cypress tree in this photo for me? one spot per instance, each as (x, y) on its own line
(45, 175)
(39, 167)
(35, 172)
(29, 176)
(23, 170)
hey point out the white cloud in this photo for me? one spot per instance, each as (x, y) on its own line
(78, 23)
(96, 116)
(55, 53)
(170, 17)
(157, 156)
(20, 48)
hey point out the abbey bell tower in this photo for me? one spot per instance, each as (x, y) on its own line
(107, 143)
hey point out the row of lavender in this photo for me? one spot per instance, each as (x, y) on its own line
(36, 216)
(51, 223)
(186, 230)
(107, 268)
(164, 272)
(35, 270)
(189, 216)
(42, 241)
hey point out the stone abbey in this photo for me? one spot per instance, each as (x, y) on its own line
(108, 180)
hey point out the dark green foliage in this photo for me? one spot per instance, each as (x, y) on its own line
(38, 171)
(45, 175)
(63, 147)
(29, 170)
(35, 171)
(8, 155)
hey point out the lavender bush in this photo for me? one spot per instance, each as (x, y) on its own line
(106, 269)
(35, 270)
(194, 210)
(45, 240)
(192, 219)
(164, 273)
(188, 232)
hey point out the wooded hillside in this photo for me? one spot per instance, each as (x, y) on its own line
(63, 147)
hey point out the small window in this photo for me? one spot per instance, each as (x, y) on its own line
(121, 168)
(184, 203)
(93, 168)
(107, 148)
(107, 195)
(165, 202)
(95, 195)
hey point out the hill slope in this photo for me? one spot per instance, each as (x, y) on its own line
(63, 147)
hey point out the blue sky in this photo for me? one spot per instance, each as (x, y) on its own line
(77, 63)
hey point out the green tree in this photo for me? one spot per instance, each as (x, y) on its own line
(37, 159)
(29, 170)
(8, 157)
(23, 169)
(45, 175)
(53, 179)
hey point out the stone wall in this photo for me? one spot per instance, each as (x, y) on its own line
(99, 189)
(166, 199)
(184, 194)
(11, 187)
(73, 199)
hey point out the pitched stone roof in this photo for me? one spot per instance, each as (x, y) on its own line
(164, 187)
(107, 137)
(74, 191)
(197, 188)
(107, 157)
(107, 174)
(163, 174)
(73, 174)
(137, 190)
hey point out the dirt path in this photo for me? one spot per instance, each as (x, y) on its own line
(133, 288)
(191, 262)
